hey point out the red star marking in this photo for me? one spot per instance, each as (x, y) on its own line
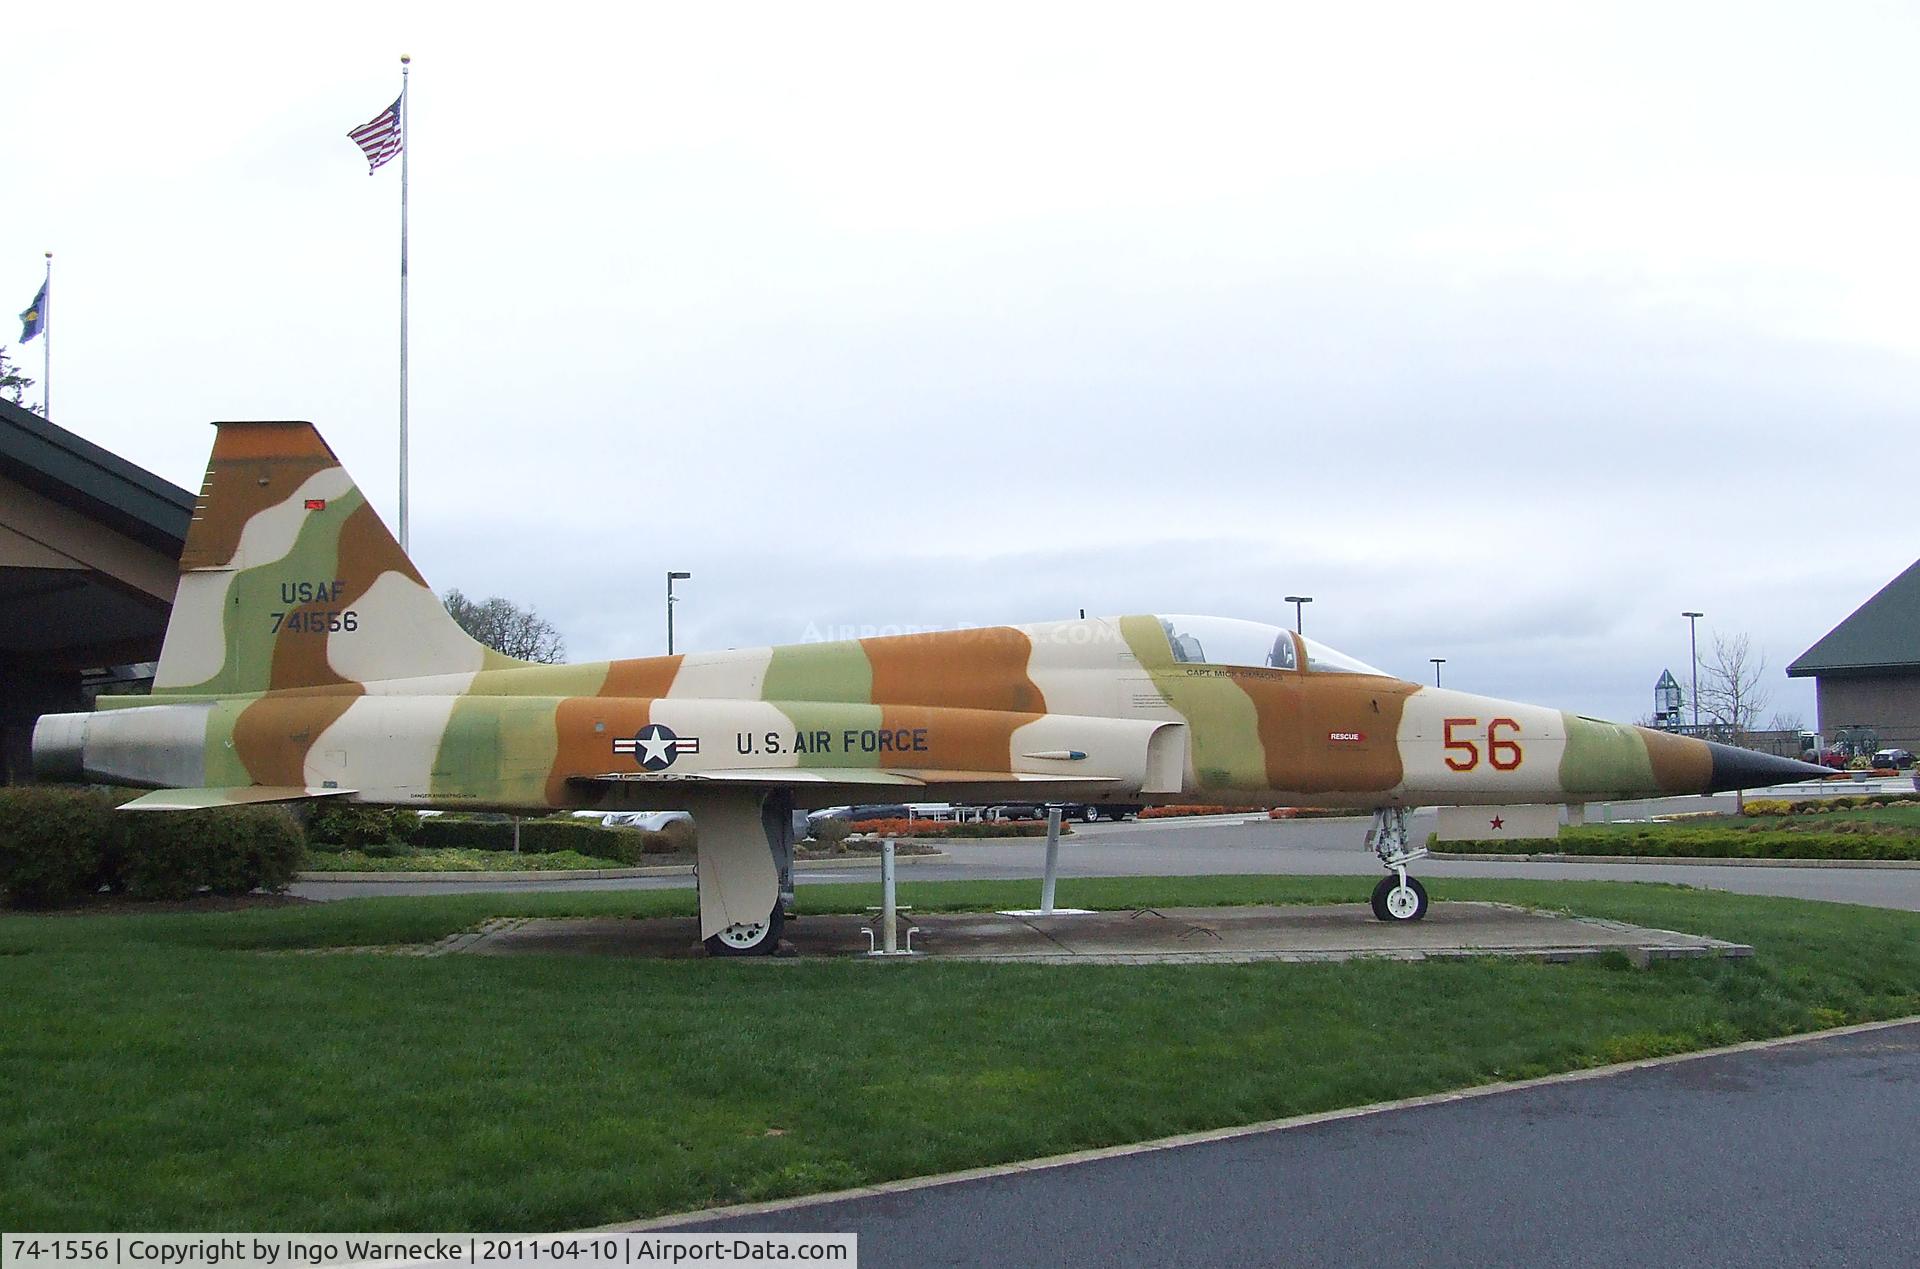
(1497, 821)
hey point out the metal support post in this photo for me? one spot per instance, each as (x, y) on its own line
(889, 906)
(1053, 860)
(890, 910)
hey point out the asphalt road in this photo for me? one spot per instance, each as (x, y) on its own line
(1797, 1155)
(1327, 847)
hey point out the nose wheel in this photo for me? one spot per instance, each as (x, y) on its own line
(1398, 897)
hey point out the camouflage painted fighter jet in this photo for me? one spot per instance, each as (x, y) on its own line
(307, 658)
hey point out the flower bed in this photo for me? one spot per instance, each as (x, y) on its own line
(953, 828)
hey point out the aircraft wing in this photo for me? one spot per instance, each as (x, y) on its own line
(202, 799)
(756, 776)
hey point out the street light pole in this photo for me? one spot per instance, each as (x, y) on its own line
(672, 577)
(1693, 650)
(1437, 663)
(1297, 601)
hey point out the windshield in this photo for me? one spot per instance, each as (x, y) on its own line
(1324, 660)
(1228, 641)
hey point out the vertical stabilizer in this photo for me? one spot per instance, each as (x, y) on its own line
(289, 579)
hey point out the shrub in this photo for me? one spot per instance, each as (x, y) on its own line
(1175, 812)
(631, 846)
(349, 824)
(54, 843)
(831, 832)
(1707, 843)
(230, 850)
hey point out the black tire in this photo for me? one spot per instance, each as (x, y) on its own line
(764, 945)
(1090, 815)
(1383, 907)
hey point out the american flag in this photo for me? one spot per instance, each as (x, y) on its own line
(380, 136)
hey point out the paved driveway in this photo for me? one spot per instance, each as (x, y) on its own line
(1794, 1155)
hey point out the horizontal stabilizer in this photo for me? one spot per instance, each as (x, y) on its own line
(836, 775)
(203, 799)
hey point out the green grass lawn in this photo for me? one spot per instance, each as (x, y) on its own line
(160, 1072)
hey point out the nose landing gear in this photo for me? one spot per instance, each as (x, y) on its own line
(1398, 897)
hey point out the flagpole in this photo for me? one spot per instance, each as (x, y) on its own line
(406, 148)
(46, 348)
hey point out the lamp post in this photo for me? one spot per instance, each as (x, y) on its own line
(1297, 601)
(1693, 650)
(1437, 663)
(672, 577)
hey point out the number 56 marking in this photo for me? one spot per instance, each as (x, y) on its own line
(1503, 752)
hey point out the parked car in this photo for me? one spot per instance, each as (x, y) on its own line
(647, 821)
(1092, 812)
(1894, 758)
(1085, 812)
(858, 815)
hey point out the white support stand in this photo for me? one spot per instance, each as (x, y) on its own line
(1049, 876)
(1053, 861)
(890, 911)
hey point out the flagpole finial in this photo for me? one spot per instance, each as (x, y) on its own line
(404, 59)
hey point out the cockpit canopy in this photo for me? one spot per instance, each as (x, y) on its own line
(1230, 641)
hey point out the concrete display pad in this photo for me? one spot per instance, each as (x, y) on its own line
(1319, 932)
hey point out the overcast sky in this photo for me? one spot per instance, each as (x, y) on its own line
(1507, 332)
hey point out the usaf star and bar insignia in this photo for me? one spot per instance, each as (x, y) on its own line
(655, 746)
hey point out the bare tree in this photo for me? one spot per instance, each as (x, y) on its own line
(14, 385)
(1730, 691)
(506, 627)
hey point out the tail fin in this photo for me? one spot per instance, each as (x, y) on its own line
(289, 579)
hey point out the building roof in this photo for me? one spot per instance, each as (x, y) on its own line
(1882, 634)
(75, 472)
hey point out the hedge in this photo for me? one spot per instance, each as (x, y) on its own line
(1763, 807)
(1702, 843)
(540, 837)
(60, 845)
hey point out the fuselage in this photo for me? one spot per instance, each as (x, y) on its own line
(1138, 709)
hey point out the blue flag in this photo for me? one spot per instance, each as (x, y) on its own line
(34, 319)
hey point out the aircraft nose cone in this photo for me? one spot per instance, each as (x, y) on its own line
(1736, 768)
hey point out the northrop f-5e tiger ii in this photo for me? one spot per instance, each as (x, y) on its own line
(306, 658)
